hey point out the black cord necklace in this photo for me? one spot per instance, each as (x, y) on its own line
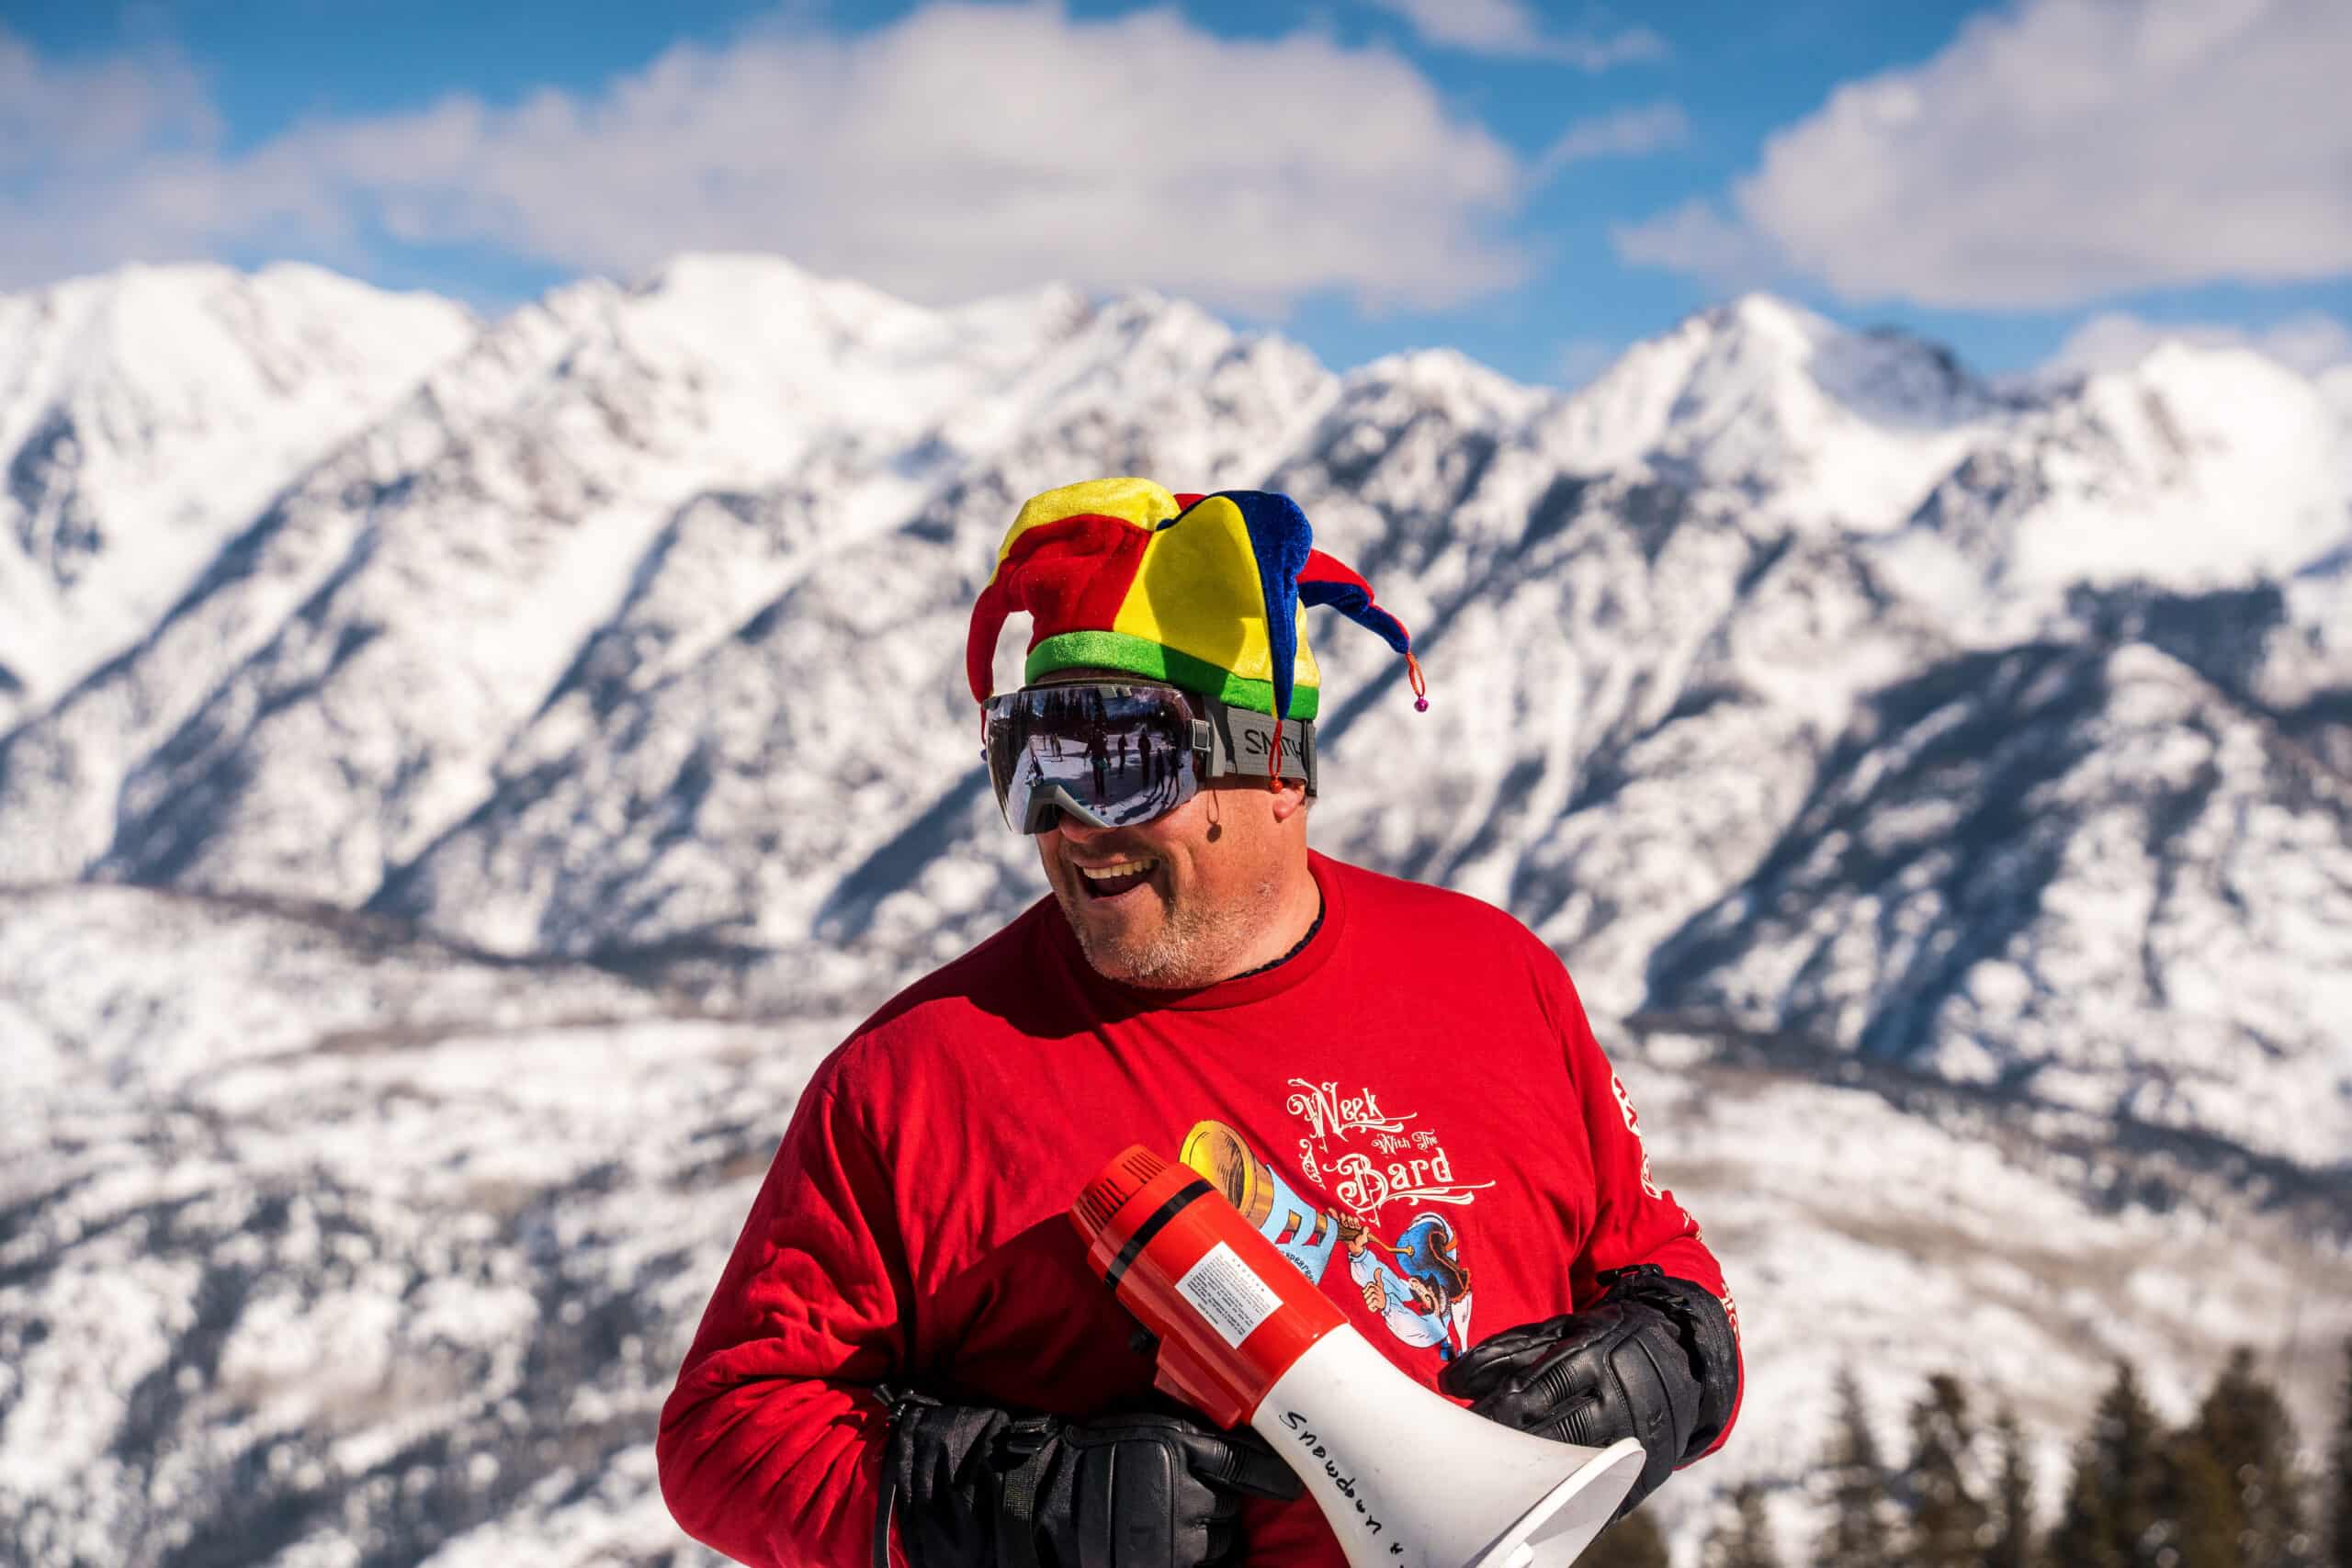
(1296, 949)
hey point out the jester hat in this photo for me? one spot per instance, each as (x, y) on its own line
(1203, 591)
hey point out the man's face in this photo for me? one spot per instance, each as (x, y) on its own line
(1189, 890)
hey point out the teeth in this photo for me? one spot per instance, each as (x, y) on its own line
(1123, 868)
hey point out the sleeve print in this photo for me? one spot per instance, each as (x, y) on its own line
(1633, 1126)
(771, 1444)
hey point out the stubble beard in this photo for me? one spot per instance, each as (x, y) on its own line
(1194, 944)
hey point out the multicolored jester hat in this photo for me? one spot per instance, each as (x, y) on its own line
(1199, 591)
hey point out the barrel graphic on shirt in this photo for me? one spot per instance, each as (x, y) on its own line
(1301, 1232)
(1415, 1285)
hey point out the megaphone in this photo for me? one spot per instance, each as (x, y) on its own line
(1243, 1336)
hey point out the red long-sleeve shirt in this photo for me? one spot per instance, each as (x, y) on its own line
(1423, 1066)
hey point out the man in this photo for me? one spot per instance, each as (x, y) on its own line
(907, 1360)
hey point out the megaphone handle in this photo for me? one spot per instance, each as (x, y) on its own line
(1180, 1374)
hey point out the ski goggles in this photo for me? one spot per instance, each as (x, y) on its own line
(1112, 755)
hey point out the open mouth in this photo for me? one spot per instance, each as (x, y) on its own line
(1118, 877)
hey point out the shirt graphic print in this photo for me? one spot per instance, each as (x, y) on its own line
(1394, 1182)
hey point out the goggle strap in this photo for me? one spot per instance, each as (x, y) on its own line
(1240, 741)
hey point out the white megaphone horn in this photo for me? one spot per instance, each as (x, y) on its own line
(1407, 1479)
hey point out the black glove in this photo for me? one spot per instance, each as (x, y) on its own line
(982, 1488)
(1653, 1358)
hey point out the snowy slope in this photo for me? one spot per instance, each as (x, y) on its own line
(2195, 468)
(390, 1252)
(1888, 1226)
(2097, 868)
(350, 1243)
(146, 415)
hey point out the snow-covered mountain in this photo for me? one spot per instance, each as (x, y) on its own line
(502, 720)
(147, 415)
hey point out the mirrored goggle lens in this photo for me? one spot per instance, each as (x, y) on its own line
(1111, 756)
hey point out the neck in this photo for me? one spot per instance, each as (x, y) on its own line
(1297, 902)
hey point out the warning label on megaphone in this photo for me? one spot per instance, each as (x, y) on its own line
(1223, 1290)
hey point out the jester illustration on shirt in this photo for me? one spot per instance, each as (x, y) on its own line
(1416, 1283)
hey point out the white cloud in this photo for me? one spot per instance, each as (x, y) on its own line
(76, 116)
(1510, 27)
(116, 159)
(2113, 341)
(1696, 238)
(1622, 133)
(2063, 151)
(965, 149)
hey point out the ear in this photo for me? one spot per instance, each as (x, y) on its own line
(1288, 801)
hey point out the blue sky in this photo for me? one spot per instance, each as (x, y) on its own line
(1536, 185)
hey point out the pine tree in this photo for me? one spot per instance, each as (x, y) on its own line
(2010, 1541)
(2113, 1504)
(2236, 1489)
(1858, 1535)
(2339, 1475)
(1745, 1540)
(1949, 1523)
(2197, 1518)
(1632, 1542)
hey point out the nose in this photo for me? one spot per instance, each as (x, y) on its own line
(1077, 832)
